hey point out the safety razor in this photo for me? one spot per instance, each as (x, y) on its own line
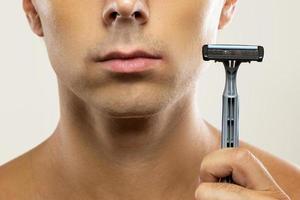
(231, 56)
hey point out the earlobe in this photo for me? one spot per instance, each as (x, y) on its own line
(227, 13)
(33, 17)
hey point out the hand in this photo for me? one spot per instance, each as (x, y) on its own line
(251, 178)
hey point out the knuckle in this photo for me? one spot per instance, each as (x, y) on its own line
(202, 191)
(204, 167)
(243, 155)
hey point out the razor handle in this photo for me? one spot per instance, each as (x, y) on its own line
(230, 133)
(230, 111)
(231, 56)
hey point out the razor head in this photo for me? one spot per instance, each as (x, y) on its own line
(227, 52)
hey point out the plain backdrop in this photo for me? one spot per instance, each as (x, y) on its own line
(269, 91)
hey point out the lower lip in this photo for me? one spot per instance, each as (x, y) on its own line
(130, 65)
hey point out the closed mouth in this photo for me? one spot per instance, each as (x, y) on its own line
(118, 55)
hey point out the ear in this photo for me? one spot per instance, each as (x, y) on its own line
(33, 17)
(227, 13)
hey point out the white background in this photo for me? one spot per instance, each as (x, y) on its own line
(269, 91)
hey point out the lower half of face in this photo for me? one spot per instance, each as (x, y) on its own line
(176, 30)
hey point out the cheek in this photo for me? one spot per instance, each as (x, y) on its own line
(186, 27)
(70, 28)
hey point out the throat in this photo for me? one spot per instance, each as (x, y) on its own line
(141, 164)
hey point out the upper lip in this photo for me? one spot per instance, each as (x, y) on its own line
(128, 55)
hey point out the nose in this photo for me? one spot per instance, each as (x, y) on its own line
(135, 10)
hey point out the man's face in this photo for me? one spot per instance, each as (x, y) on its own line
(75, 33)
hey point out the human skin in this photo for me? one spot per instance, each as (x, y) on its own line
(136, 136)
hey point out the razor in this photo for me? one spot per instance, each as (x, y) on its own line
(231, 56)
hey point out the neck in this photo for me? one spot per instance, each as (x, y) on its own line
(156, 154)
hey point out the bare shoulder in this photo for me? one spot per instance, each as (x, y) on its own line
(15, 178)
(286, 174)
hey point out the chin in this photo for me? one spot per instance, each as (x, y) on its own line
(132, 109)
(131, 101)
(117, 106)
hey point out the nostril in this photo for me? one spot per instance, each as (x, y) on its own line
(137, 14)
(140, 16)
(113, 15)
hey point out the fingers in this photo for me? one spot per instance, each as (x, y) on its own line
(226, 191)
(245, 168)
(252, 179)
